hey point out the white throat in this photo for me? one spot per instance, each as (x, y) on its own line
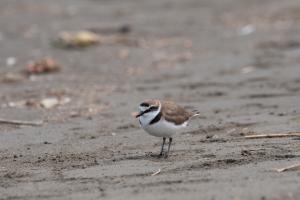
(146, 118)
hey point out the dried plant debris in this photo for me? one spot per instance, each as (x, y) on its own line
(91, 37)
(123, 29)
(275, 135)
(45, 65)
(11, 77)
(156, 173)
(21, 122)
(78, 39)
(48, 103)
(289, 168)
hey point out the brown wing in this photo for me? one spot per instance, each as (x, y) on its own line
(175, 113)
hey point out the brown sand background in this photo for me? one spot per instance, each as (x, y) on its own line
(237, 61)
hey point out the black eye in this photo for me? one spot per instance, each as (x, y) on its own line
(144, 104)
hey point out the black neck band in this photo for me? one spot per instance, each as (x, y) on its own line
(156, 118)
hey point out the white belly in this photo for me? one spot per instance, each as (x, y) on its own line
(163, 128)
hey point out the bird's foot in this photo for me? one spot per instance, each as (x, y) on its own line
(163, 155)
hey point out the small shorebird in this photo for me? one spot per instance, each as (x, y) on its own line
(163, 119)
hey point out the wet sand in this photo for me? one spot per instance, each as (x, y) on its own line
(236, 61)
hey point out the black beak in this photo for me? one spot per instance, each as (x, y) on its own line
(140, 114)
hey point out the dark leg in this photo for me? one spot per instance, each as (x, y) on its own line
(162, 147)
(170, 142)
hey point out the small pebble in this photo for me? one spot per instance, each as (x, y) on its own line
(11, 61)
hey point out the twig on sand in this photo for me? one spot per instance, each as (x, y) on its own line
(155, 173)
(20, 122)
(276, 135)
(291, 167)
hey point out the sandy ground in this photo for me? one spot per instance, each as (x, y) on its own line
(237, 61)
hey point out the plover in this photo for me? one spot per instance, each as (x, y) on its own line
(163, 119)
